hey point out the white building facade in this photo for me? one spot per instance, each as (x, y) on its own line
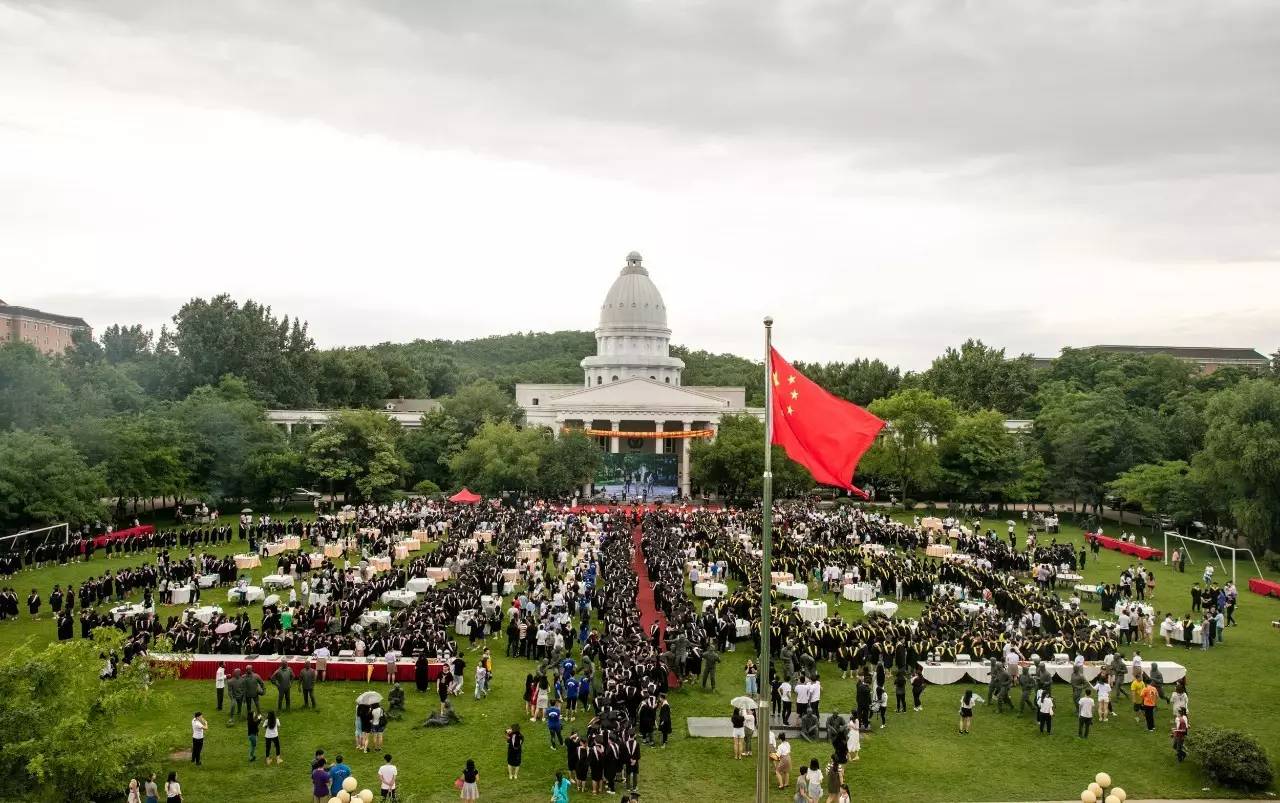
(632, 393)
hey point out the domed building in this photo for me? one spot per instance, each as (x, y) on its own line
(632, 399)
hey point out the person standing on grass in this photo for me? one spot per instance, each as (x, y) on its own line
(1149, 697)
(307, 680)
(664, 718)
(917, 688)
(560, 789)
(900, 690)
(554, 725)
(782, 761)
(150, 790)
(1046, 711)
(172, 789)
(470, 781)
(319, 782)
(198, 726)
(1084, 707)
(338, 773)
(388, 776)
(252, 721)
(738, 723)
(1103, 688)
(220, 682)
(1135, 694)
(967, 701)
(271, 735)
(1180, 727)
(515, 751)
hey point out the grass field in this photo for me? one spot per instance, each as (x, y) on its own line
(918, 757)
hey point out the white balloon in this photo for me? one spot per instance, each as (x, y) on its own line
(1120, 793)
(1103, 779)
(1087, 796)
(349, 785)
(1096, 789)
(1112, 799)
(344, 795)
(367, 796)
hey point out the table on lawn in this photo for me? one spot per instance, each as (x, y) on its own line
(208, 580)
(859, 592)
(438, 573)
(248, 561)
(128, 612)
(380, 563)
(398, 598)
(953, 590)
(794, 590)
(811, 610)
(180, 595)
(777, 578)
(462, 625)
(204, 613)
(938, 550)
(245, 596)
(419, 584)
(709, 589)
(872, 549)
(375, 618)
(1137, 550)
(974, 607)
(881, 607)
(277, 581)
(1086, 588)
(1068, 579)
(362, 670)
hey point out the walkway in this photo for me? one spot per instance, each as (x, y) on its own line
(649, 612)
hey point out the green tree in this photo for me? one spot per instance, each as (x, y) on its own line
(479, 403)
(571, 461)
(45, 481)
(429, 447)
(907, 449)
(1167, 487)
(221, 427)
(501, 457)
(274, 356)
(125, 343)
(69, 735)
(356, 450)
(32, 392)
(733, 463)
(982, 461)
(978, 377)
(140, 456)
(272, 470)
(1240, 462)
(1145, 380)
(861, 381)
(1090, 438)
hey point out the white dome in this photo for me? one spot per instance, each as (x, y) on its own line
(633, 300)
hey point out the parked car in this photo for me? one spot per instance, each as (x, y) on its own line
(303, 495)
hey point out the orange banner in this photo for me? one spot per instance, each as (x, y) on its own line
(676, 433)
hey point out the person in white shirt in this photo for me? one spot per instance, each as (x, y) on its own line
(198, 726)
(784, 696)
(802, 697)
(1085, 708)
(815, 695)
(1103, 688)
(1046, 712)
(782, 762)
(387, 775)
(220, 682)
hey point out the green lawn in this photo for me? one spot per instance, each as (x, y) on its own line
(918, 757)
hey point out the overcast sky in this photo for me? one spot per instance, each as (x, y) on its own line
(884, 178)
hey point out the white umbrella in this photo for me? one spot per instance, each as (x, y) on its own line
(745, 703)
(369, 698)
(225, 627)
(246, 510)
(274, 599)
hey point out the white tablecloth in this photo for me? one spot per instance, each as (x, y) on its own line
(949, 589)
(248, 562)
(402, 552)
(1069, 579)
(782, 577)
(950, 672)
(938, 550)
(859, 592)
(882, 607)
(462, 625)
(872, 549)
(812, 610)
(438, 573)
(372, 618)
(205, 613)
(411, 544)
(273, 548)
(315, 598)
(743, 628)
(1176, 634)
(180, 595)
(316, 559)
(398, 597)
(277, 581)
(1086, 588)
(1061, 670)
(420, 584)
(333, 550)
(128, 611)
(709, 589)
(973, 607)
(380, 563)
(209, 580)
(795, 590)
(251, 594)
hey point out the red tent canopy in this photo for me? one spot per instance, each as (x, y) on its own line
(465, 496)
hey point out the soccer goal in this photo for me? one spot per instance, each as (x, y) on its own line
(1218, 549)
(19, 542)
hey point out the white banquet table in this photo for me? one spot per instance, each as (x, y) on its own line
(381, 563)
(398, 597)
(209, 580)
(812, 610)
(277, 581)
(248, 561)
(371, 618)
(420, 584)
(948, 672)
(333, 550)
(709, 589)
(743, 628)
(128, 611)
(859, 592)
(782, 577)
(794, 590)
(938, 550)
(1068, 579)
(973, 607)
(316, 559)
(952, 590)
(205, 613)
(249, 594)
(462, 625)
(1086, 588)
(882, 607)
(180, 595)
(872, 549)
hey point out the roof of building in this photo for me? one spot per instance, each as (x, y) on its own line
(411, 405)
(30, 312)
(633, 300)
(1208, 353)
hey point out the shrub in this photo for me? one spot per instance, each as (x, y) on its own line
(1231, 758)
(426, 487)
(908, 504)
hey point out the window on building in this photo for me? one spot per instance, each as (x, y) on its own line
(655, 379)
(615, 379)
(535, 401)
(667, 380)
(599, 379)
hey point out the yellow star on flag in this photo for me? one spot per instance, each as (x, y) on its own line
(791, 380)
(775, 378)
(789, 410)
(795, 394)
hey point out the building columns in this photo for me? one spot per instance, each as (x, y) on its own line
(684, 460)
(658, 444)
(288, 427)
(613, 439)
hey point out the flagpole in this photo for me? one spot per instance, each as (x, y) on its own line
(763, 782)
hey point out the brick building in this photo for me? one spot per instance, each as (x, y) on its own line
(52, 334)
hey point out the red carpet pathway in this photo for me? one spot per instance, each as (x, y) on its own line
(649, 612)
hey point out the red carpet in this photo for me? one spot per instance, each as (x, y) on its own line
(649, 612)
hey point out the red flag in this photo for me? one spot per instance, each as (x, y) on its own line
(824, 434)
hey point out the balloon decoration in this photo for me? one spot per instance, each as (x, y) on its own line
(1103, 779)
(366, 795)
(1120, 793)
(349, 785)
(1112, 799)
(344, 795)
(1087, 796)
(1096, 789)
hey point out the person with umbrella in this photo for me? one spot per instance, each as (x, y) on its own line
(364, 718)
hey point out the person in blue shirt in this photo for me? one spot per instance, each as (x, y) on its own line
(584, 692)
(560, 789)
(553, 725)
(567, 666)
(338, 773)
(571, 691)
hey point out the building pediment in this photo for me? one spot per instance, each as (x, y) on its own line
(639, 392)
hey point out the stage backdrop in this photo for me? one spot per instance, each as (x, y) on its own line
(639, 475)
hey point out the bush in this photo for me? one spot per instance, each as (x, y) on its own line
(1231, 758)
(908, 504)
(426, 488)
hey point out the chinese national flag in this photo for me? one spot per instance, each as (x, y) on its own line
(820, 432)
